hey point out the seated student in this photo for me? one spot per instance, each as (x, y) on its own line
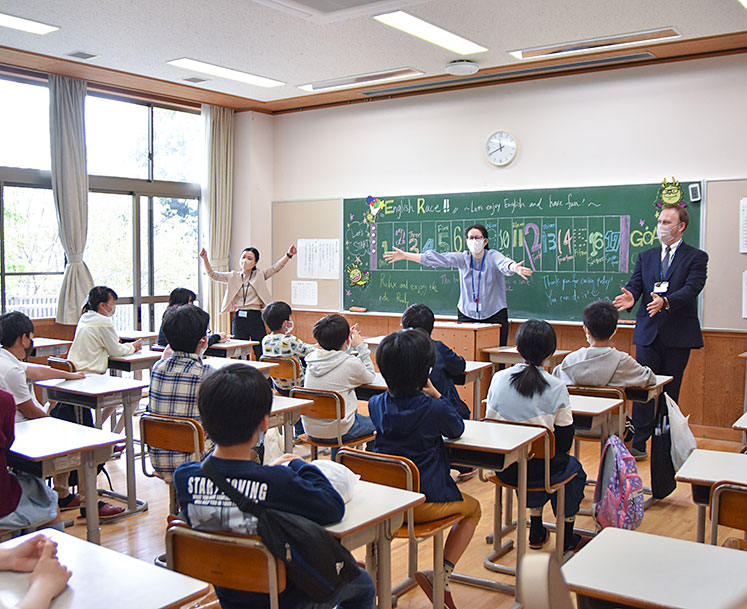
(600, 364)
(334, 367)
(25, 501)
(174, 380)
(182, 296)
(280, 342)
(527, 393)
(235, 404)
(47, 577)
(17, 337)
(411, 418)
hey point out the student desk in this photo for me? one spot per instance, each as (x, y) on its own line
(702, 469)
(130, 336)
(233, 347)
(99, 392)
(604, 408)
(105, 578)
(496, 446)
(644, 570)
(649, 392)
(135, 362)
(510, 356)
(44, 347)
(285, 411)
(216, 363)
(371, 516)
(47, 446)
(741, 425)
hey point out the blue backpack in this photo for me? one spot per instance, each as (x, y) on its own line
(618, 497)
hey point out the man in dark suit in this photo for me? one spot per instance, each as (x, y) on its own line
(668, 280)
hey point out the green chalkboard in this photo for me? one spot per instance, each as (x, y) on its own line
(582, 244)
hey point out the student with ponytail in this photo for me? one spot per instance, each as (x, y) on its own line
(527, 393)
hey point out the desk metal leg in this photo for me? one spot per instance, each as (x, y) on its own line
(701, 523)
(87, 476)
(383, 565)
(476, 403)
(287, 434)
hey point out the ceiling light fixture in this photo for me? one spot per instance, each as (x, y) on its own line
(430, 33)
(744, 3)
(361, 80)
(593, 45)
(26, 25)
(461, 67)
(227, 73)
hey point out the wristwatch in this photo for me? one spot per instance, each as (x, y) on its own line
(290, 256)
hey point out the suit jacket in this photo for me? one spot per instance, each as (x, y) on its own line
(679, 326)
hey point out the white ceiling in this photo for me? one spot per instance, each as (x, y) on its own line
(140, 36)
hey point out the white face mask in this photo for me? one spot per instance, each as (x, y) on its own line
(664, 233)
(475, 245)
(288, 327)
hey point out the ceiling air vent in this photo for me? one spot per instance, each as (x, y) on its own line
(195, 79)
(81, 55)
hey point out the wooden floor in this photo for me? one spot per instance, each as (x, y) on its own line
(142, 536)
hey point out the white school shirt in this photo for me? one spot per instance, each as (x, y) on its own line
(13, 380)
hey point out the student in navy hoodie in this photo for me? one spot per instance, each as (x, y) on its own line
(411, 418)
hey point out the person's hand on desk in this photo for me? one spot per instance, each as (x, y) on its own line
(657, 304)
(624, 301)
(224, 337)
(75, 375)
(522, 271)
(138, 344)
(47, 580)
(286, 458)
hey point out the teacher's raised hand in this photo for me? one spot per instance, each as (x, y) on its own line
(398, 254)
(523, 271)
(624, 301)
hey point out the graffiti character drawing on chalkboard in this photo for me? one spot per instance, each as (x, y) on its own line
(670, 193)
(357, 276)
(374, 207)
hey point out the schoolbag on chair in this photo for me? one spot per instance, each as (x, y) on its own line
(618, 497)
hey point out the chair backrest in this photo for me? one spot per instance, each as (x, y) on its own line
(615, 393)
(60, 363)
(324, 405)
(389, 470)
(288, 368)
(728, 507)
(542, 448)
(179, 434)
(541, 585)
(224, 559)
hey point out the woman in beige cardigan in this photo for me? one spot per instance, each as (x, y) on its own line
(247, 292)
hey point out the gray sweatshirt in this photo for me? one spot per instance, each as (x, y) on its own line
(603, 366)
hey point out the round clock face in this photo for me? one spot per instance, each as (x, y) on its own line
(501, 148)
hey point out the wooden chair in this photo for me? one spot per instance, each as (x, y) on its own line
(594, 435)
(178, 434)
(325, 405)
(542, 448)
(728, 507)
(223, 559)
(287, 369)
(400, 472)
(542, 585)
(60, 363)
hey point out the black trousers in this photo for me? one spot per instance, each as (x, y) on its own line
(662, 360)
(501, 317)
(250, 327)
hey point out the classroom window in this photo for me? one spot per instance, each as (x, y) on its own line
(24, 124)
(177, 145)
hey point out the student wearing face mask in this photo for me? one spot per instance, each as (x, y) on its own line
(247, 292)
(668, 280)
(482, 287)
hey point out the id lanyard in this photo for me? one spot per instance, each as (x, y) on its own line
(245, 288)
(476, 296)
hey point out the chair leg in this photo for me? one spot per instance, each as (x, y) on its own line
(313, 453)
(560, 525)
(173, 504)
(438, 570)
(412, 567)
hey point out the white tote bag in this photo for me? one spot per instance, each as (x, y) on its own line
(683, 440)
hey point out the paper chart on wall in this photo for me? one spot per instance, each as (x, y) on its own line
(304, 293)
(743, 226)
(318, 258)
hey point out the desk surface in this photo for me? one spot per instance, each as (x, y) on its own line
(221, 362)
(593, 406)
(144, 355)
(741, 423)
(487, 436)
(40, 342)
(707, 467)
(469, 369)
(646, 570)
(48, 437)
(105, 578)
(233, 343)
(371, 503)
(94, 385)
(133, 335)
(281, 403)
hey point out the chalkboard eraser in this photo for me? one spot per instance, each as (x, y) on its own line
(358, 309)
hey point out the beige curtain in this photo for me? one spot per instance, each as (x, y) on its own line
(70, 189)
(217, 197)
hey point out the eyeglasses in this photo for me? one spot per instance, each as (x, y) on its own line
(475, 238)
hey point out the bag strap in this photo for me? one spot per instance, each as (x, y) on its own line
(242, 501)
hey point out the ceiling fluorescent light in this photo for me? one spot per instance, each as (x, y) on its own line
(430, 33)
(360, 80)
(227, 73)
(25, 25)
(597, 44)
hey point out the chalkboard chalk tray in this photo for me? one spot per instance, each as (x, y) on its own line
(582, 244)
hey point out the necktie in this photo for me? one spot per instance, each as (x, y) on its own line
(665, 262)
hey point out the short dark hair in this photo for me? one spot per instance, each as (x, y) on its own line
(99, 294)
(275, 314)
(418, 316)
(331, 332)
(232, 402)
(600, 319)
(481, 228)
(185, 326)
(254, 251)
(535, 341)
(181, 296)
(683, 213)
(405, 359)
(13, 325)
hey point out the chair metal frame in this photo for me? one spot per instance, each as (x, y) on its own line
(542, 585)
(288, 367)
(728, 507)
(401, 472)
